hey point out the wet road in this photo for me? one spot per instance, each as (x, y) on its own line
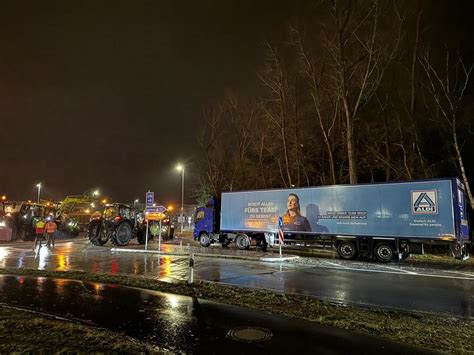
(182, 324)
(395, 286)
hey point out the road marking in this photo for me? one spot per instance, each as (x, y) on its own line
(460, 273)
(335, 264)
(397, 272)
(398, 269)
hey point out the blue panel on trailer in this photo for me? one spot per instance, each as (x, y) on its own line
(421, 209)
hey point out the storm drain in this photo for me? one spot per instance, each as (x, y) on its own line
(250, 334)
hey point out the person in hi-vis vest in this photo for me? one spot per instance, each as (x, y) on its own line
(50, 231)
(39, 232)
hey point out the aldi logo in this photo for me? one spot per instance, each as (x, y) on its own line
(424, 202)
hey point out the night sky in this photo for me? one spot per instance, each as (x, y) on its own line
(108, 94)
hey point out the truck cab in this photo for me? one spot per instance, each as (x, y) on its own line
(207, 222)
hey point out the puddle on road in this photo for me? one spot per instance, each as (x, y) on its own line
(164, 319)
(66, 257)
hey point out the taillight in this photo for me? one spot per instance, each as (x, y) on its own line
(117, 219)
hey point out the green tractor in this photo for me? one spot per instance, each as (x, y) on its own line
(120, 223)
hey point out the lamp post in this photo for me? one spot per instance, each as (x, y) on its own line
(181, 168)
(39, 191)
(95, 193)
(135, 203)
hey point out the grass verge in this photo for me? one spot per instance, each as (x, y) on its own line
(426, 330)
(29, 332)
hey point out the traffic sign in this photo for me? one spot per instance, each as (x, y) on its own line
(155, 213)
(161, 209)
(149, 199)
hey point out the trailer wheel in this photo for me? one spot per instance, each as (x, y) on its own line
(384, 252)
(346, 250)
(243, 242)
(204, 240)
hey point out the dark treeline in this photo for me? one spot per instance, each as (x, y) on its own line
(358, 91)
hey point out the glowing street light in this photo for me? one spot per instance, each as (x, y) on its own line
(181, 168)
(135, 202)
(95, 193)
(38, 185)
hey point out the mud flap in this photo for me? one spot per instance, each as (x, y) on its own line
(459, 251)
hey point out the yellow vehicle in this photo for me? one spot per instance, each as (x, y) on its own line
(78, 208)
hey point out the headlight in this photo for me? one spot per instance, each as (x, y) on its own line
(2, 224)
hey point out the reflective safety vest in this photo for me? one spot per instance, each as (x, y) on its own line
(39, 227)
(51, 227)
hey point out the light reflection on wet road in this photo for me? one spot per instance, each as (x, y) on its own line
(182, 324)
(347, 282)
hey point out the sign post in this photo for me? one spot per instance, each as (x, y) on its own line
(159, 238)
(149, 201)
(281, 236)
(146, 236)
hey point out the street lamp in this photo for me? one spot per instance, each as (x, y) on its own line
(181, 168)
(135, 202)
(95, 193)
(39, 191)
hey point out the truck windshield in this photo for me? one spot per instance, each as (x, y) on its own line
(199, 215)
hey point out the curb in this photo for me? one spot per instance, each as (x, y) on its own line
(254, 258)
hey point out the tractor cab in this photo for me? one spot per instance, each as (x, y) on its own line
(118, 212)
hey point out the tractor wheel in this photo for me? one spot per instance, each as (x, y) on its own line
(122, 234)
(170, 232)
(141, 235)
(14, 232)
(96, 233)
(21, 234)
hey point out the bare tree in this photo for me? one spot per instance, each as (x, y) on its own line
(211, 136)
(314, 72)
(243, 118)
(446, 86)
(361, 52)
(278, 109)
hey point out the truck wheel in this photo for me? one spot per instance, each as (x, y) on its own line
(243, 242)
(122, 235)
(204, 240)
(346, 250)
(384, 252)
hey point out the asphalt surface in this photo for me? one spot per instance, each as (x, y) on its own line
(182, 324)
(398, 285)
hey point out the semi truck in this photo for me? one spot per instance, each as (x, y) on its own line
(388, 221)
